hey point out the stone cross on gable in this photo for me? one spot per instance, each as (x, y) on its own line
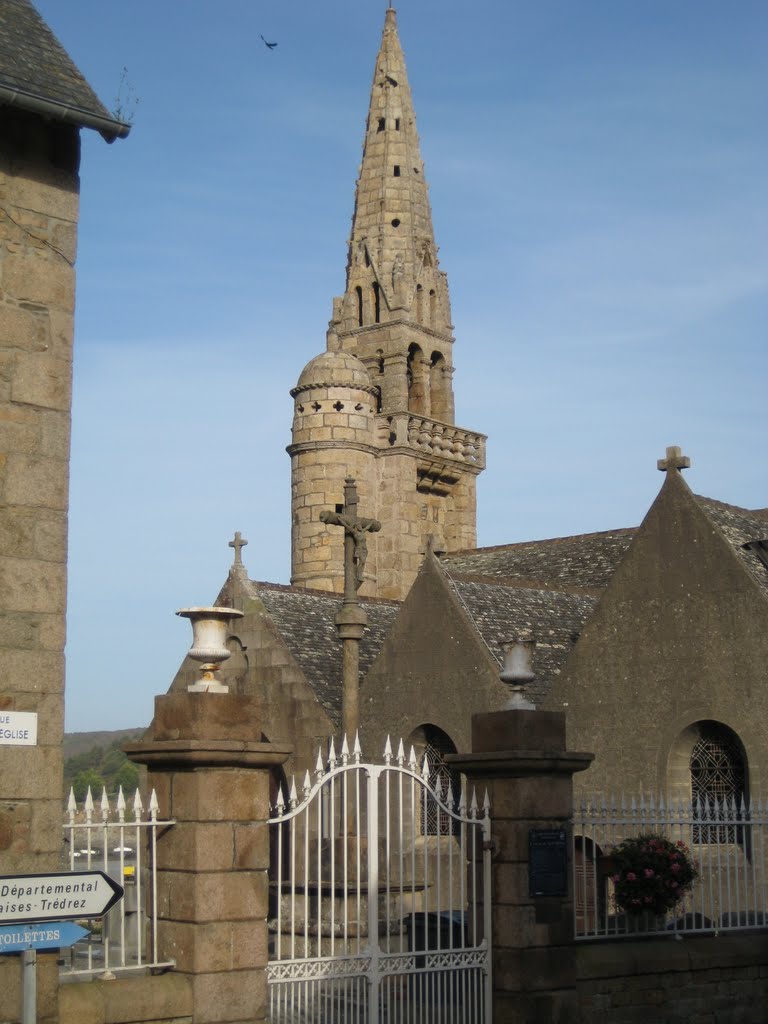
(355, 544)
(238, 543)
(674, 460)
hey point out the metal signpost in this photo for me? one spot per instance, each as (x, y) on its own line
(27, 902)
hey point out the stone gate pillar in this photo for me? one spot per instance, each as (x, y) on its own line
(212, 777)
(520, 757)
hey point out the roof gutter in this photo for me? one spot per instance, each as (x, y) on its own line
(109, 128)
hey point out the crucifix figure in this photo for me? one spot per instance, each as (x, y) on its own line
(355, 543)
(351, 619)
(674, 460)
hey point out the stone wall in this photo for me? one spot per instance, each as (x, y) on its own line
(720, 980)
(166, 998)
(38, 221)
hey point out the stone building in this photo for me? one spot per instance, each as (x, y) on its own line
(44, 102)
(652, 638)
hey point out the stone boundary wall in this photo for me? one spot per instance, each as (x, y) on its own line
(159, 999)
(702, 980)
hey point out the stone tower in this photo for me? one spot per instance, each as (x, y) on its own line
(378, 404)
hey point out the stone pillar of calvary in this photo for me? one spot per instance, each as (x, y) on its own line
(351, 619)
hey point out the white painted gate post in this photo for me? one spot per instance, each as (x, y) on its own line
(372, 783)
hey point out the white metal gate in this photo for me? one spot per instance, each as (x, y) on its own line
(380, 896)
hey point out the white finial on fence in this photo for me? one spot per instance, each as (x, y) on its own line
(88, 806)
(71, 804)
(120, 805)
(138, 806)
(425, 768)
(401, 754)
(280, 803)
(319, 764)
(154, 806)
(463, 798)
(104, 804)
(486, 805)
(357, 752)
(344, 750)
(473, 808)
(332, 754)
(307, 784)
(412, 764)
(388, 751)
(294, 796)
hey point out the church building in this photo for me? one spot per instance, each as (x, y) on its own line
(653, 639)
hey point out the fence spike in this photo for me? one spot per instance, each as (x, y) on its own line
(319, 764)
(72, 803)
(280, 803)
(138, 806)
(412, 759)
(120, 804)
(486, 804)
(388, 751)
(104, 804)
(473, 804)
(293, 796)
(88, 805)
(356, 750)
(344, 750)
(425, 768)
(307, 783)
(401, 754)
(154, 806)
(332, 754)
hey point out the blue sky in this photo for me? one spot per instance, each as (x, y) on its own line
(598, 188)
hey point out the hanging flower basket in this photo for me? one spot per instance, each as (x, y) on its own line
(651, 874)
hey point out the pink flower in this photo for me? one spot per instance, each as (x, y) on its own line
(648, 873)
(616, 878)
(631, 876)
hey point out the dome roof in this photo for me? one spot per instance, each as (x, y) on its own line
(335, 369)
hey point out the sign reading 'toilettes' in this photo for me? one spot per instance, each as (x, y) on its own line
(18, 728)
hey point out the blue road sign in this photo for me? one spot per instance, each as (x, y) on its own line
(15, 938)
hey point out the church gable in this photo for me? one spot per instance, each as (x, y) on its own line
(433, 668)
(680, 635)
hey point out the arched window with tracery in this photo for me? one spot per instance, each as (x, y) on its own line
(431, 742)
(718, 779)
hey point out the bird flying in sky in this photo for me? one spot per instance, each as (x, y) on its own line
(269, 46)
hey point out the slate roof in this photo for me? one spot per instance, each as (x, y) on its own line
(501, 610)
(587, 561)
(738, 526)
(305, 621)
(37, 73)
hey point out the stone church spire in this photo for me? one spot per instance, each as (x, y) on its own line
(393, 280)
(377, 405)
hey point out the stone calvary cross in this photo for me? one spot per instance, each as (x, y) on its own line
(351, 620)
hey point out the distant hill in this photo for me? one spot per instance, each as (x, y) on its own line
(79, 742)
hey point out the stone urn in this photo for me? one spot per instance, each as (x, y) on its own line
(210, 627)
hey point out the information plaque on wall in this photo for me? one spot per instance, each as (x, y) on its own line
(547, 862)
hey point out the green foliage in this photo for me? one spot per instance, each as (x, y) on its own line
(99, 768)
(651, 873)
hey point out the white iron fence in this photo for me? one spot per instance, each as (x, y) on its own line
(380, 896)
(726, 840)
(122, 843)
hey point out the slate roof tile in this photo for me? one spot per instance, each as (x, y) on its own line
(587, 560)
(738, 526)
(34, 62)
(499, 611)
(304, 619)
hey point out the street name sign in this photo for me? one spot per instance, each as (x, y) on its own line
(64, 896)
(18, 728)
(15, 938)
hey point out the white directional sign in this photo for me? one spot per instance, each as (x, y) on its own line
(59, 897)
(18, 728)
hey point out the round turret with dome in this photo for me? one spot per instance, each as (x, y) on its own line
(333, 438)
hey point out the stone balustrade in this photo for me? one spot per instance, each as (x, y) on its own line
(440, 440)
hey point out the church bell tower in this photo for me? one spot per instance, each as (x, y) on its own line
(378, 404)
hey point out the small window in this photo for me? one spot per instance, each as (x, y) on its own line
(359, 293)
(376, 303)
(397, 124)
(382, 125)
(397, 170)
(396, 223)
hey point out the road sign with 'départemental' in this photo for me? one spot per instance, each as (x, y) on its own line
(65, 896)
